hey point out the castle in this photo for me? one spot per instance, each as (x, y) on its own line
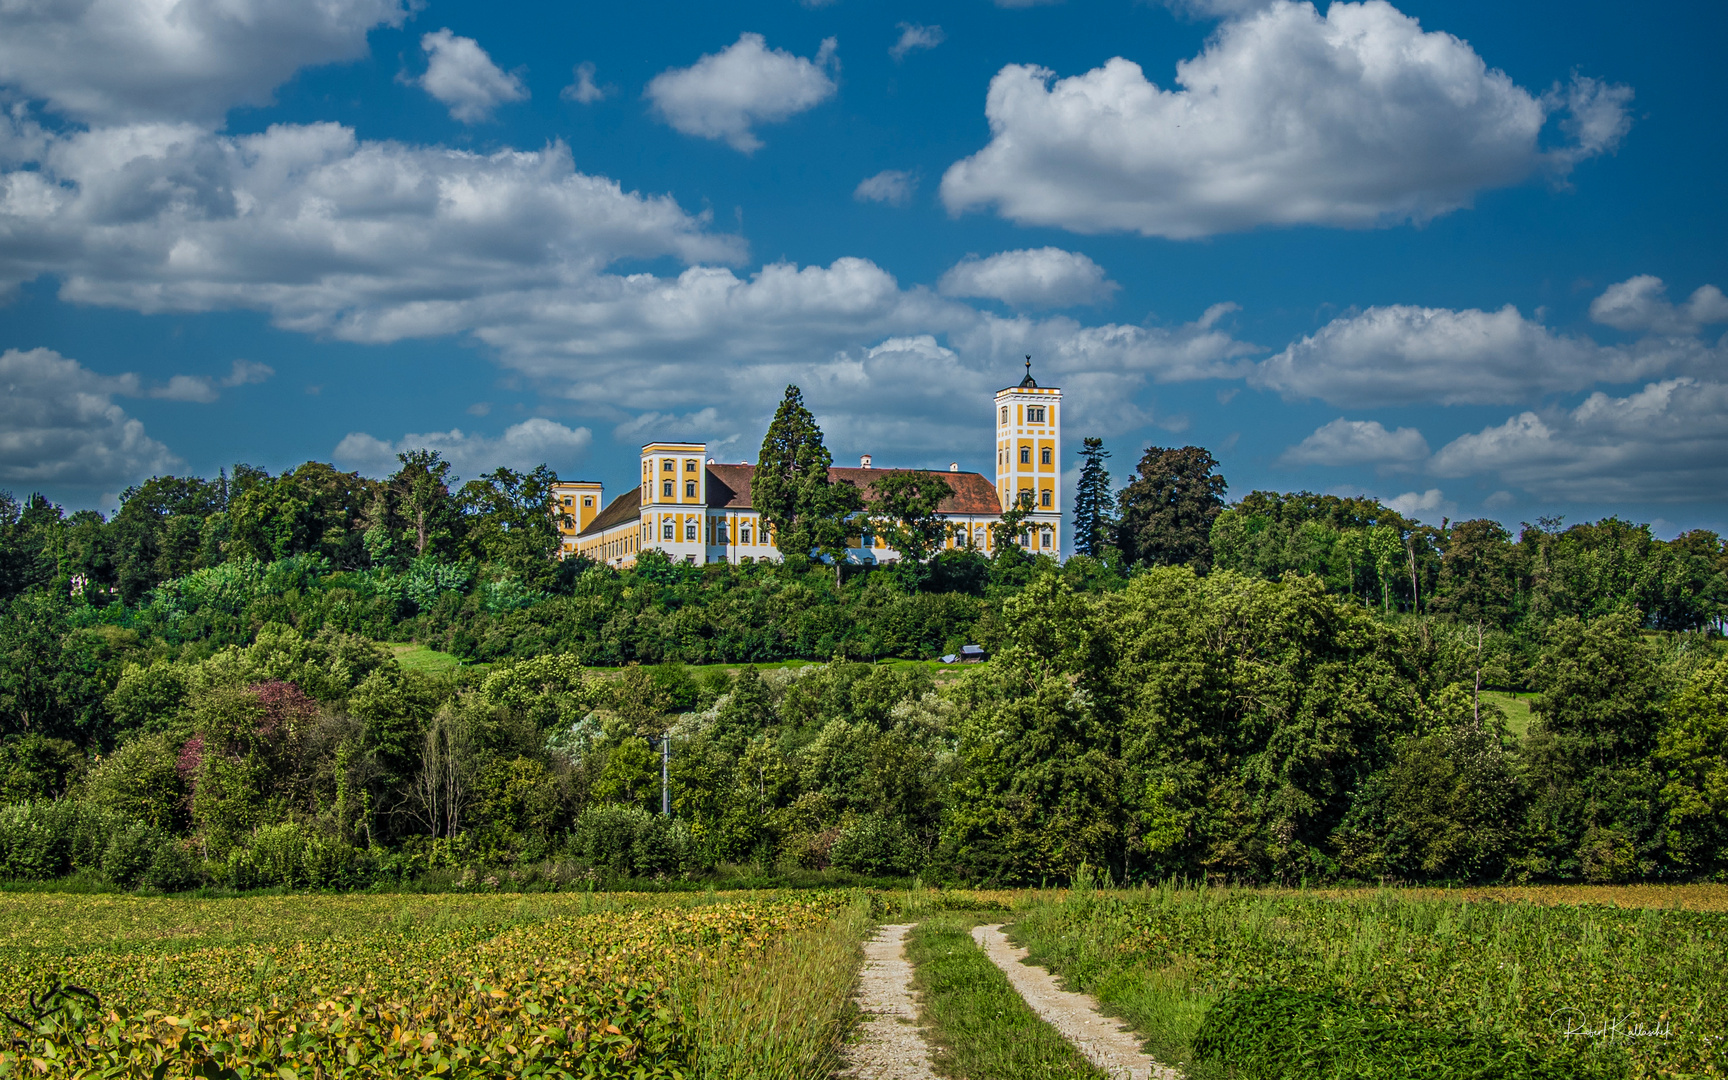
(698, 510)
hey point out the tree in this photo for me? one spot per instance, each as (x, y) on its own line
(790, 486)
(1092, 518)
(512, 520)
(1167, 509)
(1478, 575)
(790, 469)
(1007, 528)
(904, 512)
(421, 497)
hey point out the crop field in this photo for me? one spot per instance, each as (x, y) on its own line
(344, 986)
(1629, 990)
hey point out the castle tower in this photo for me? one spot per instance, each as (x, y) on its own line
(575, 505)
(675, 499)
(1029, 459)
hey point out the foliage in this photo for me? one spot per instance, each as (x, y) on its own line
(1092, 517)
(584, 995)
(1166, 512)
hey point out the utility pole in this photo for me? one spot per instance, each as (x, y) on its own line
(665, 788)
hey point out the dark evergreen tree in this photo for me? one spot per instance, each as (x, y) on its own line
(1168, 508)
(790, 487)
(1092, 517)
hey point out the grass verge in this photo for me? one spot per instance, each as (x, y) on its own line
(783, 1014)
(980, 1027)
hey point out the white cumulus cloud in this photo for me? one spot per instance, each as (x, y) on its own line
(1401, 354)
(914, 37)
(1423, 505)
(1641, 303)
(1666, 442)
(522, 446)
(1358, 442)
(205, 390)
(726, 95)
(584, 89)
(59, 425)
(463, 77)
(1044, 277)
(890, 186)
(1358, 119)
(105, 61)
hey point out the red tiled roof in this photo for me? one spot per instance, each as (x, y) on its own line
(729, 487)
(626, 507)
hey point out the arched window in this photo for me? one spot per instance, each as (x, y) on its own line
(1044, 456)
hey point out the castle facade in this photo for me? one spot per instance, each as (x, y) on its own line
(698, 510)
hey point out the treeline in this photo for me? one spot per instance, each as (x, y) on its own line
(1290, 686)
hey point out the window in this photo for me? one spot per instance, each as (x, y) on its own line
(1034, 414)
(1004, 414)
(666, 529)
(689, 464)
(1044, 497)
(668, 465)
(666, 489)
(588, 500)
(1044, 456)
(744, 533)
(720, 532)
(710, 533)
(689, 489)
(690, 531)
(1048, 541)
(867, 541)
(566, 500)
(1025, 455)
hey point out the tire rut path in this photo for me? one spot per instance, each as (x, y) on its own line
(890, 1045)
(1102, 1040)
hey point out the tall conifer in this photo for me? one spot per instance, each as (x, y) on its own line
(1092, 518)
(789, 487)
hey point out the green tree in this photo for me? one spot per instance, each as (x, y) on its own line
(430, 519)
(1478, 573)
(904, 510)
(1092, 518)
(512, 520)
(1167, 510)
(790, 484)
(1692, 752)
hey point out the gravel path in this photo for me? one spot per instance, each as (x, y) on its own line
(1102, 1040)
(889, 1045)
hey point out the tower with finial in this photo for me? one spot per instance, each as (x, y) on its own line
(1029, 459)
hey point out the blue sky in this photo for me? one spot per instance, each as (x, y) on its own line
(1463, 260)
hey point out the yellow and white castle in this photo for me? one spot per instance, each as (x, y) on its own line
(697, 510)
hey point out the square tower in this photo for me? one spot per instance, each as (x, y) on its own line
(675, 499)
(575, 505)
(1029, 459)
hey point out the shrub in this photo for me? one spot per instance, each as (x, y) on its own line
(42, 840)
(295, 856)
(876, 846)
(629, 840)
(131, 852)
(173, 868)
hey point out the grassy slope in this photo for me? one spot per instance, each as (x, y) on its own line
(1516, 707)
(981, 1029)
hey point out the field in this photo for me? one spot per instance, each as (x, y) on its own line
(329, 986)
(1583, 982)
(1594, 980)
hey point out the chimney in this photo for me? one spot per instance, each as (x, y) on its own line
(864, 462)
(953, 466)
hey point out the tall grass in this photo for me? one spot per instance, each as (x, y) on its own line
(783, 1015)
